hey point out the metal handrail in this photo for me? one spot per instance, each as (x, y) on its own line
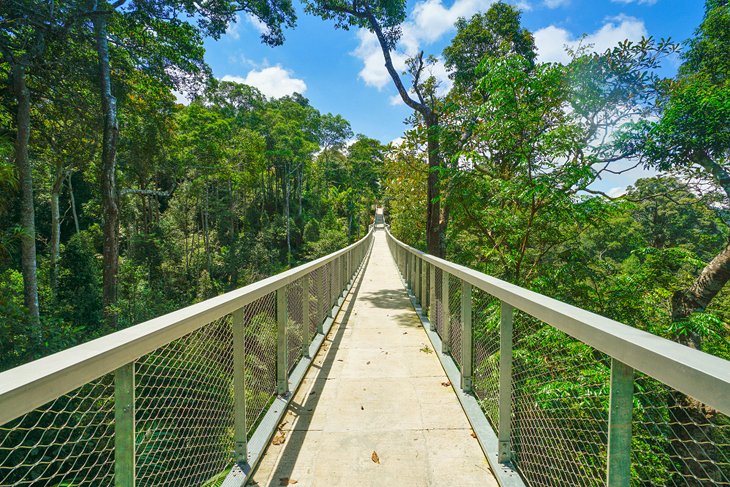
(695, 373)
(24, 388)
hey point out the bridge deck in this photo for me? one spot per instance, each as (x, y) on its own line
(375, 393)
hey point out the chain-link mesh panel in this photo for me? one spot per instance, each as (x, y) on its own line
(184, 408)
(295, 329)
(455, 314)
(485, 325)
(677, 440)
(560, 406)
(260, 357)
(68, 441)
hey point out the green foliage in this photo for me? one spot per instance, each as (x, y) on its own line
(79, 282)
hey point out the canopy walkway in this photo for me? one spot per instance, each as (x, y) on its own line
(375, 365)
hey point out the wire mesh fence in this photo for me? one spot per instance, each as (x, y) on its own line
(184, 408)
(69, 441)
(559, 401)
(560, 406)
(455, 315)
(485, 326)
(182, 395)
(677, 439)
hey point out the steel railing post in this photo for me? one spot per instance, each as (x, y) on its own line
(445, 313)
(424, 287)
(432, 317)
(620, 413)
(305, 316)
(282, 369)
(466, 337)
(320, 299)
(504, 431)
(333, 293)
(124, 427)
(239, 388)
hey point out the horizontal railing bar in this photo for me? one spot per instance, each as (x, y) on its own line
(700, 375)
(24, 388)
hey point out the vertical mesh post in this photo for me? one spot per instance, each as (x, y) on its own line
(282, 384)
(239, 387)
(305, 316)
(445, 315)
(432, 297)
(619, 424)
(124, 434)
(467, 340)
(505, 383)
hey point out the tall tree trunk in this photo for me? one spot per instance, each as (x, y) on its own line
(73, 203)
(55, 230)
(206, 235)
(435, 221)
(27, 210)
(699, 295)
(108, 174)
(286, 215)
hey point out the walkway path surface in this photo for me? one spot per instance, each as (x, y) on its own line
(375, 408)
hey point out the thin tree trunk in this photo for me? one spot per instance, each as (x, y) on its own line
(55, 231)
(73, 204)
(27, 210)
(286, 215)
(206, 236)
(435, 221)
(108, 174)
(699, 295)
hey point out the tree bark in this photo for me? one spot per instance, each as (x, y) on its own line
(27, 209)
(699, 295)
(72, 198)
(435, 221)
(108, 174)
(55, 231)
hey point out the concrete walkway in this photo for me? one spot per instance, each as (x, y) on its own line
(375, 409)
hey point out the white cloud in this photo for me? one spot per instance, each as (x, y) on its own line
(257, 24)
(232, 30)
(432, 19)
(616, 191)
(428, 22)
(396, 100)
(556, 3)
(181, 97)
(273, 82)
(640, 2)
(551, 41)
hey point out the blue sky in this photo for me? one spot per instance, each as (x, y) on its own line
(342, 71)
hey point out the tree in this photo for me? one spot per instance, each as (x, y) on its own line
(691, 139)
(158, 41)
(27, 28)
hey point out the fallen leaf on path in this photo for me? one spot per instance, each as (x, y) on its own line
(287, 481)
(426, 349)
(405, 333)
(473, 435)
(368, 363)
(375, 458)
(446, 384)
(278, 439)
